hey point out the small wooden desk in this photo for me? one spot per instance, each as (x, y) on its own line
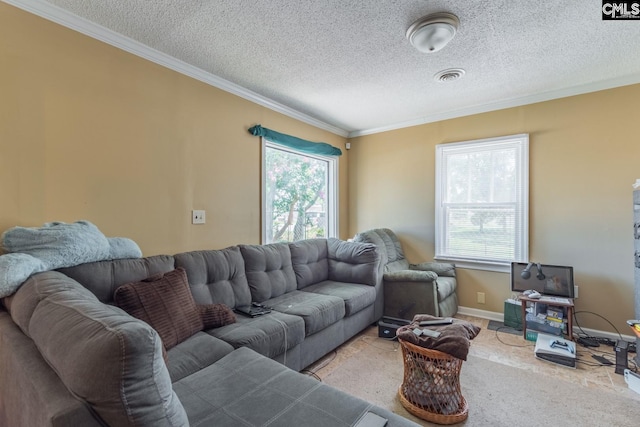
(548, 301)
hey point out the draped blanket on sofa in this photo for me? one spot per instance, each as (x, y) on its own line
(56, 245)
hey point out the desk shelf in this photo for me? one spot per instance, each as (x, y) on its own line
(564, 303)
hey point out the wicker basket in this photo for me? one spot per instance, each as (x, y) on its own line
(430, 389)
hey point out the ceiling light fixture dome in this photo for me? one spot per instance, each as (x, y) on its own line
(432, 32)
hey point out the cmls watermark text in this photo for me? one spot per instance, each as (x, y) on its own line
(620, 10)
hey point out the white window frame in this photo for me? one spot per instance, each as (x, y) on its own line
(332, 187)
(521, 143)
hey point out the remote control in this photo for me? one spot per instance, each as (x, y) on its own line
(430, 333)
(602, 359)
(436, 322)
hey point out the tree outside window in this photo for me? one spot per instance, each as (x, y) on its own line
(298, 195)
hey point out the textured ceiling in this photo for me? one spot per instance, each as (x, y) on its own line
(348, 64)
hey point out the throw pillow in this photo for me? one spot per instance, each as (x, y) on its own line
(216, 315)
(165, 302)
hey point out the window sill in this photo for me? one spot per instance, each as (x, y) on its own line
(499, 267)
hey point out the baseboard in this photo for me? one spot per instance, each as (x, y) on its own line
(483, 314)
(499, 317)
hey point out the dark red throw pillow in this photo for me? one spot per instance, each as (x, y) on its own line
(216, 315)
(165, 302)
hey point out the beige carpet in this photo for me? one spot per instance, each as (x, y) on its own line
(497, 394)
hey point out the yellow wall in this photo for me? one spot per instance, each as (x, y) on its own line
(584, 158)
(88, 131)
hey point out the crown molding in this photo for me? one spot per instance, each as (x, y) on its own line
(67, 19)
(510, 103)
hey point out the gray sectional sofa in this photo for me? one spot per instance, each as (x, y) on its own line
(69, 357)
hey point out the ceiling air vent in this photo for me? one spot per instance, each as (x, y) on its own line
(449, 75)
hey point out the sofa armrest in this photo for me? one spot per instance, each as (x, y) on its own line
(353, 262)
(410, 276)
(105, 357)
(32, 394)
(443, 269)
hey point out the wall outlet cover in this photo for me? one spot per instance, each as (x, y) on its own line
(198, 217)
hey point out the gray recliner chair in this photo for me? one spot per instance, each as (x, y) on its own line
(410, 289)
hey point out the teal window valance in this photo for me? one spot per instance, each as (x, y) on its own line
(299, 144)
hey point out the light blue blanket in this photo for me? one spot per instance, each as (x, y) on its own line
(56, 245)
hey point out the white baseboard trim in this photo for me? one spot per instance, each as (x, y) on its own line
(483, 314)
(499, 317)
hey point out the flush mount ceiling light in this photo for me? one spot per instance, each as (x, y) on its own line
(432, 32)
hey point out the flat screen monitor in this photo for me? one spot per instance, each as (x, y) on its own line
(553, 280)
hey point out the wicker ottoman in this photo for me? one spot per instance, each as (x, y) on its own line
(431, 386)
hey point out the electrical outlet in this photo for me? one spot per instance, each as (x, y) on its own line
(575, 291)
(481, 298)
(197, 217)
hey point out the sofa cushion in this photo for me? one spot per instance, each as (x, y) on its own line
(195, 353)
(318, 311)
(269, 270)
(164, 302)
(356, 297)
(353, 262)
(309, 260)
(104, 356)
(216, 276)
(270, 335)
(247, 389)
(392, 256)
(104, 277)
